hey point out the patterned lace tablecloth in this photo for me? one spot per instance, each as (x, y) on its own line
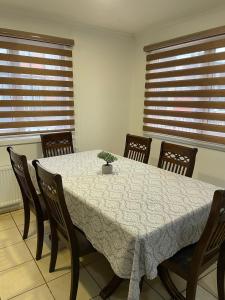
(137, 217)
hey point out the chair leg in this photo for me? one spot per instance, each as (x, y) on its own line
(141, 283)
(168, 283)
(54, 250)
(75, 270)
(40, 238)
(26, 221)
(220, 274)
(191, 289)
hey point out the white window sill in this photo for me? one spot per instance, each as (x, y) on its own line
(21, 140)
(185, 141)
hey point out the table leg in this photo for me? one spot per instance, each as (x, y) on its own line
(141, 283)
(110, 288)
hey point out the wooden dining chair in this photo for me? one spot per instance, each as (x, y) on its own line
(190, 262)
(178, 159)
(55, 144)
(137, 148)
(31, 200)
(61, 224)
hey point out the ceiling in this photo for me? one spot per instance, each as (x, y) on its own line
(130, 16)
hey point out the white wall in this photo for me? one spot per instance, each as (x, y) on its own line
(102, 73)
(109, 72)
(210, 164)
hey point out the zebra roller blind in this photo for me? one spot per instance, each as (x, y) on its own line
(36, 83)
(185, 87)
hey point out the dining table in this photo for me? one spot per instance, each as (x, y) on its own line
(138, 216)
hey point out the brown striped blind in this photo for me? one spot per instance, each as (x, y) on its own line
(36, 84)
(185, 87)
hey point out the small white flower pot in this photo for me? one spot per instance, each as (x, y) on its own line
(107, 169)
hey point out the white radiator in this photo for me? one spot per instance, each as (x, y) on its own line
(10, 196)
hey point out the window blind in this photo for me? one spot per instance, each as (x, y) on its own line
(36, 83)
(185, 87)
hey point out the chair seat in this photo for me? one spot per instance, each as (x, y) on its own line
(180, 262)
(84, 245)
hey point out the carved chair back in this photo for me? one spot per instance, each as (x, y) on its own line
(213, 236)
(137, 148)
(51, 188)
(56, 144)
(20, 168)
(178, 159)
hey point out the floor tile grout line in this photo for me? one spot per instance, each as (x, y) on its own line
(154, 289)
(1, 230)
(183, 290)
(11, 219)
(50, 291)
(34, 259)
(208, 292)
(18, 265)
(34, 237)
(53, 280)
(64, 275)
(40, 271)
(203, 289)
(9, 245)
(83, 266)
(92, 278)
(157, 292)
(68, 273)
(58, 277)
(26, 291)
(199, 279)
(12, 226)
(208, 273)
(16, 225)
(19, 233)
(46, 282)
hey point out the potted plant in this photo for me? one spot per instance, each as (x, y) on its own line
(108, 158)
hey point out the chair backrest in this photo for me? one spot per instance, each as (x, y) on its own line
(137, 148)
(178, 159)
(51, 188)
(20, 168)
(58, 143)
(213, 235)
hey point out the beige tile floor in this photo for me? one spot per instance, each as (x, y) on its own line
(23, 278)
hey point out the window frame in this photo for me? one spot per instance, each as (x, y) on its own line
(211, 33)
(43, 85)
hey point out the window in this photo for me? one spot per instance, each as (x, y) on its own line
(185, 87)
(36, 83)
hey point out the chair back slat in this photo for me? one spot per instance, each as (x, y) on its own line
(176, 168)
(51, 188)
(213, 235)
(20, 168)
(56, 144)
(217, 238)
(177, 159)
(137, 148)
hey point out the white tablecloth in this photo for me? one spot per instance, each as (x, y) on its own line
(137, 217)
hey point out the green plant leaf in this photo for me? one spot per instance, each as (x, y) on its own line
(106, 156)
